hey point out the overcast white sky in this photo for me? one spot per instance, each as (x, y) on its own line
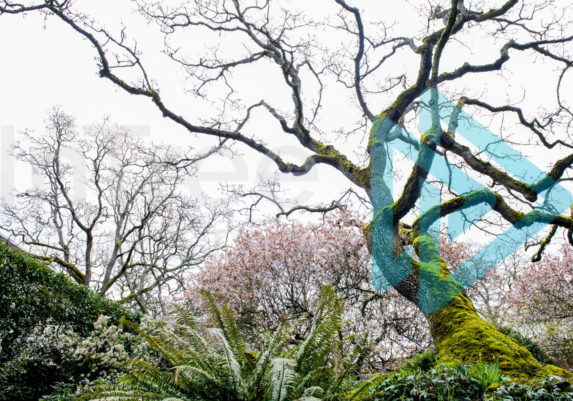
(47, 64)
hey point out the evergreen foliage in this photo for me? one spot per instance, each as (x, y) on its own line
(32, 296)
(464, 382)
(423, 362)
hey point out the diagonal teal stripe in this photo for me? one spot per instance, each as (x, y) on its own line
(434, 293)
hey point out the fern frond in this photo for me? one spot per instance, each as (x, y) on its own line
(233, 366)
(184, 317)
(235, 336)
(199, 373)
(312, 391)
(148, 376)
(212, 308)
(226, 322)
(119, 392)
(283, 378)
(363, 392)
(195, 348)
(169, 353)
(271, 350)
(315, 376)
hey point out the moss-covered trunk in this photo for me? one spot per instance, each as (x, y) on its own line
(460, 334)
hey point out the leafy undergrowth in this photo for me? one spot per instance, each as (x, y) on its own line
(426, 378)
(423, 378)
(217, 364)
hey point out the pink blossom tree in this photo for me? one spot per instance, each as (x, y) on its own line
(276, 271)
(540, 303)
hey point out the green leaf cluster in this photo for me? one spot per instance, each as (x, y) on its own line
(423, 361)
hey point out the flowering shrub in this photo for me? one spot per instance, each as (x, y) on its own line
(42, 315)
(63, 353)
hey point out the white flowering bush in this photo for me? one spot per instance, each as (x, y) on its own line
(56, 347)
(43, 316)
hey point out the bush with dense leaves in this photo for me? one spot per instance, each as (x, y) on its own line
(423, 361)
(37, 302)
(439, 383)
(463, 382)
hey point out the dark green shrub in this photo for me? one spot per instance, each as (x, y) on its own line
(32, 296)
(424, 361)
(438, 383)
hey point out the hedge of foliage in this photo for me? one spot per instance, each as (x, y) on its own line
(32, 298)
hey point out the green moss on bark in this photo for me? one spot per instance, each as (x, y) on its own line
(361, 175)
(461, 335)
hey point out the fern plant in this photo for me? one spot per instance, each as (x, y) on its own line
(321, 367)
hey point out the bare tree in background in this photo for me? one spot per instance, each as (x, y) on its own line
(135, 234)
(386, 75)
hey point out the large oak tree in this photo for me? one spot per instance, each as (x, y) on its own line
(436, 56)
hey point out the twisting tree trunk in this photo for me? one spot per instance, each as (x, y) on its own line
(282, 40)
